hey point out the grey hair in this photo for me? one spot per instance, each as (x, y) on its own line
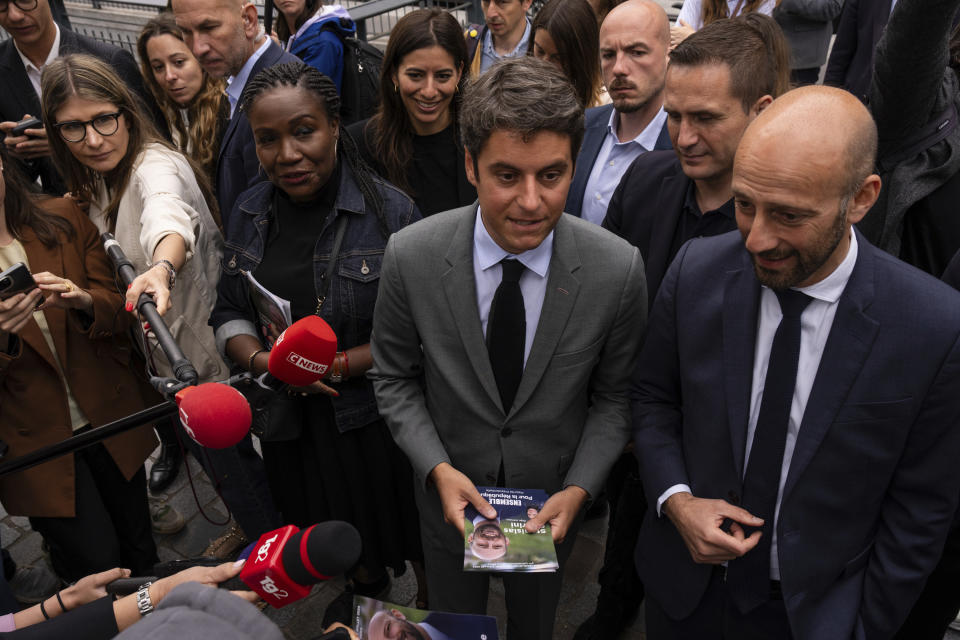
(523, 95)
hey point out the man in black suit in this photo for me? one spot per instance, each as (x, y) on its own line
(634, 39)
(657, 207)
(850, 65)
(35, 40)
(226, 38)
(719, 79)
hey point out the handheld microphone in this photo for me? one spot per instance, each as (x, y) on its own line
(287, 562)
(301, 355)
(214, 415)
(182, 368)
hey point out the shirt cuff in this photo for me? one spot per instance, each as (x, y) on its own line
(677, 488)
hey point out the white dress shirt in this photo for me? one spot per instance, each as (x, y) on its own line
(488, 273)
(815, 324)
(612, 162)
(691, 13)
(33, 71)
(236, 84)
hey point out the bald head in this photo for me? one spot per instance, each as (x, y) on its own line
(640, 15)
(634, 41)
(828, 125)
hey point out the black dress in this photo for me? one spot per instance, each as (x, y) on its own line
(436, 178)
(359, 476)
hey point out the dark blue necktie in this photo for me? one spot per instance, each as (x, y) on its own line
(749, 576)
(506, 332)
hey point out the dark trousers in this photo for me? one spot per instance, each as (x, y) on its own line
(621, 590)
(940, 600)
(531, 597)
(112, 523)
(717, 618)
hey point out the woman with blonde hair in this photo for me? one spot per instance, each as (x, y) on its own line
(194, 104)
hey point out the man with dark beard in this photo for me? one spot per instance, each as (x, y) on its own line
(634, 39)
(719, 79)
(794, 404)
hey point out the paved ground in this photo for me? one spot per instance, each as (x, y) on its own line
(301, 621)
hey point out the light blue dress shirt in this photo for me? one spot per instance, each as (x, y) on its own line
(488, 273)
(489, 55)
(236, 84)
(612, 162)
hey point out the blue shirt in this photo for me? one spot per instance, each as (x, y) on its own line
(612, 162)
(236, 84)
(489, 55)
(488, 273)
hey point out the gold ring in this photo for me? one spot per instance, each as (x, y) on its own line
(69, 287)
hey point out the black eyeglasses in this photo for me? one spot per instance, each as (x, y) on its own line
(75, 130)
(23, 5)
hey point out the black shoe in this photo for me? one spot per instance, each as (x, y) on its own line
(34, 584)
(165, 469)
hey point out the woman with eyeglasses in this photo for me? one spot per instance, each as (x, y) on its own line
(64, 356)
(154, 200)
(151, 197)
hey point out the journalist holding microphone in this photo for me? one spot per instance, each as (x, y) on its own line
(154, 200)
(64, 360)
(327, 452)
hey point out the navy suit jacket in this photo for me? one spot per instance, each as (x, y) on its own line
(851, 60)
(238, 168)
(872, 485)
(18, 96)
(595, 130)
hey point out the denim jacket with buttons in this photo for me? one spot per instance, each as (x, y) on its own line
(348, 307)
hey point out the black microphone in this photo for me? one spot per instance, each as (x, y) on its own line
(182, 368)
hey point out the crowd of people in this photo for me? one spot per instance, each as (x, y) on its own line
(686, 274)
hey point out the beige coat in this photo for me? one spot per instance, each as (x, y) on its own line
(162, 198)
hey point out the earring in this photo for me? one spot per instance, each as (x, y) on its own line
(396, 88)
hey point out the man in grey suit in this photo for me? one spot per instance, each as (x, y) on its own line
(491, 372)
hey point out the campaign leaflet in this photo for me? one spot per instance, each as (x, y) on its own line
(503, 544)
(376, 620)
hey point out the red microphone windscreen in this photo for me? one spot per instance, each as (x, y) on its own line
(303, 352)
(214, 415)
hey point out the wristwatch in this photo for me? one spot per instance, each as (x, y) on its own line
(144, 603)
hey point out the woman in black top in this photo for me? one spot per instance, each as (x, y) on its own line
(412, 140)
(327, 453)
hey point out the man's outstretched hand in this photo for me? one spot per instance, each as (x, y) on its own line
(456, 492)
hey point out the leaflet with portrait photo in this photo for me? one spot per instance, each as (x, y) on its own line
(502, 543)
(377, 620)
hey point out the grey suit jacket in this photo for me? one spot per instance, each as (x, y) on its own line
(808, 25)
(432, 376)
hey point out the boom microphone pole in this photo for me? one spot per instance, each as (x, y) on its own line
(183, 370)
(87, 438)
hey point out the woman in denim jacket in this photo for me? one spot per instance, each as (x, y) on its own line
(327, 452)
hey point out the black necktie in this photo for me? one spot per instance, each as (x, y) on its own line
(506, 332)
(749, 576)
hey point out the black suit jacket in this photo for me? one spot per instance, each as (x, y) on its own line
(594, 133)
(238, 168)
(645, 210)
(851, 60)
(18, 97)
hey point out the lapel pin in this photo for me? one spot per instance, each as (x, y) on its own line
(563, 291)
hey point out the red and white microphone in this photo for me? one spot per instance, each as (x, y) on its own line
(302, 354)
(287, 562)
(214, 415)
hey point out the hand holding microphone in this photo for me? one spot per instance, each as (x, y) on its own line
(301, 356)
(287, 562)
